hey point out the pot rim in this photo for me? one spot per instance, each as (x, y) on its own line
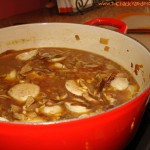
(49, 23)
(146, 88)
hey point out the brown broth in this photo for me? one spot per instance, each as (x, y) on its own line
(67, 84)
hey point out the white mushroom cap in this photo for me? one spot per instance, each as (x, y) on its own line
(52, 110)
(120, 83)
(75, 89)
(27, 55)
(22, 91)
(3, 119)
(76, 108)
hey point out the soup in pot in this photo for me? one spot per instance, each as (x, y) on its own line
(50, 84)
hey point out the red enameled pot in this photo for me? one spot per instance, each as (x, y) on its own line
(111, 130)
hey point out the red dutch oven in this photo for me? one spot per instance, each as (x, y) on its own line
(111, 130)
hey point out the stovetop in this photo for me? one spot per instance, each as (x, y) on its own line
(141, 140)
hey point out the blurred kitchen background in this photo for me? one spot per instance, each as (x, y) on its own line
(135, 13)
(48, 10)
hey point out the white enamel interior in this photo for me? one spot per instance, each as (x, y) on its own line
(123, 50)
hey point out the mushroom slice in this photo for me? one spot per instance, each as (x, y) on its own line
(88, 97)
(51, 110)
(133, 89)
(15, 108)
(58, 58)
(27, 55)
(30, 100)
(58, 65)
(78, 99)
(36, 119)
(11, 75)
(3, 119)
(120, 83)
(26, 68)
(22, 91)
(82, 82)
(61, 97)
(74, 88)
(76, 108)
(110, 99)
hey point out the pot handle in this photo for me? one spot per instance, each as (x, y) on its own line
(122, 27)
